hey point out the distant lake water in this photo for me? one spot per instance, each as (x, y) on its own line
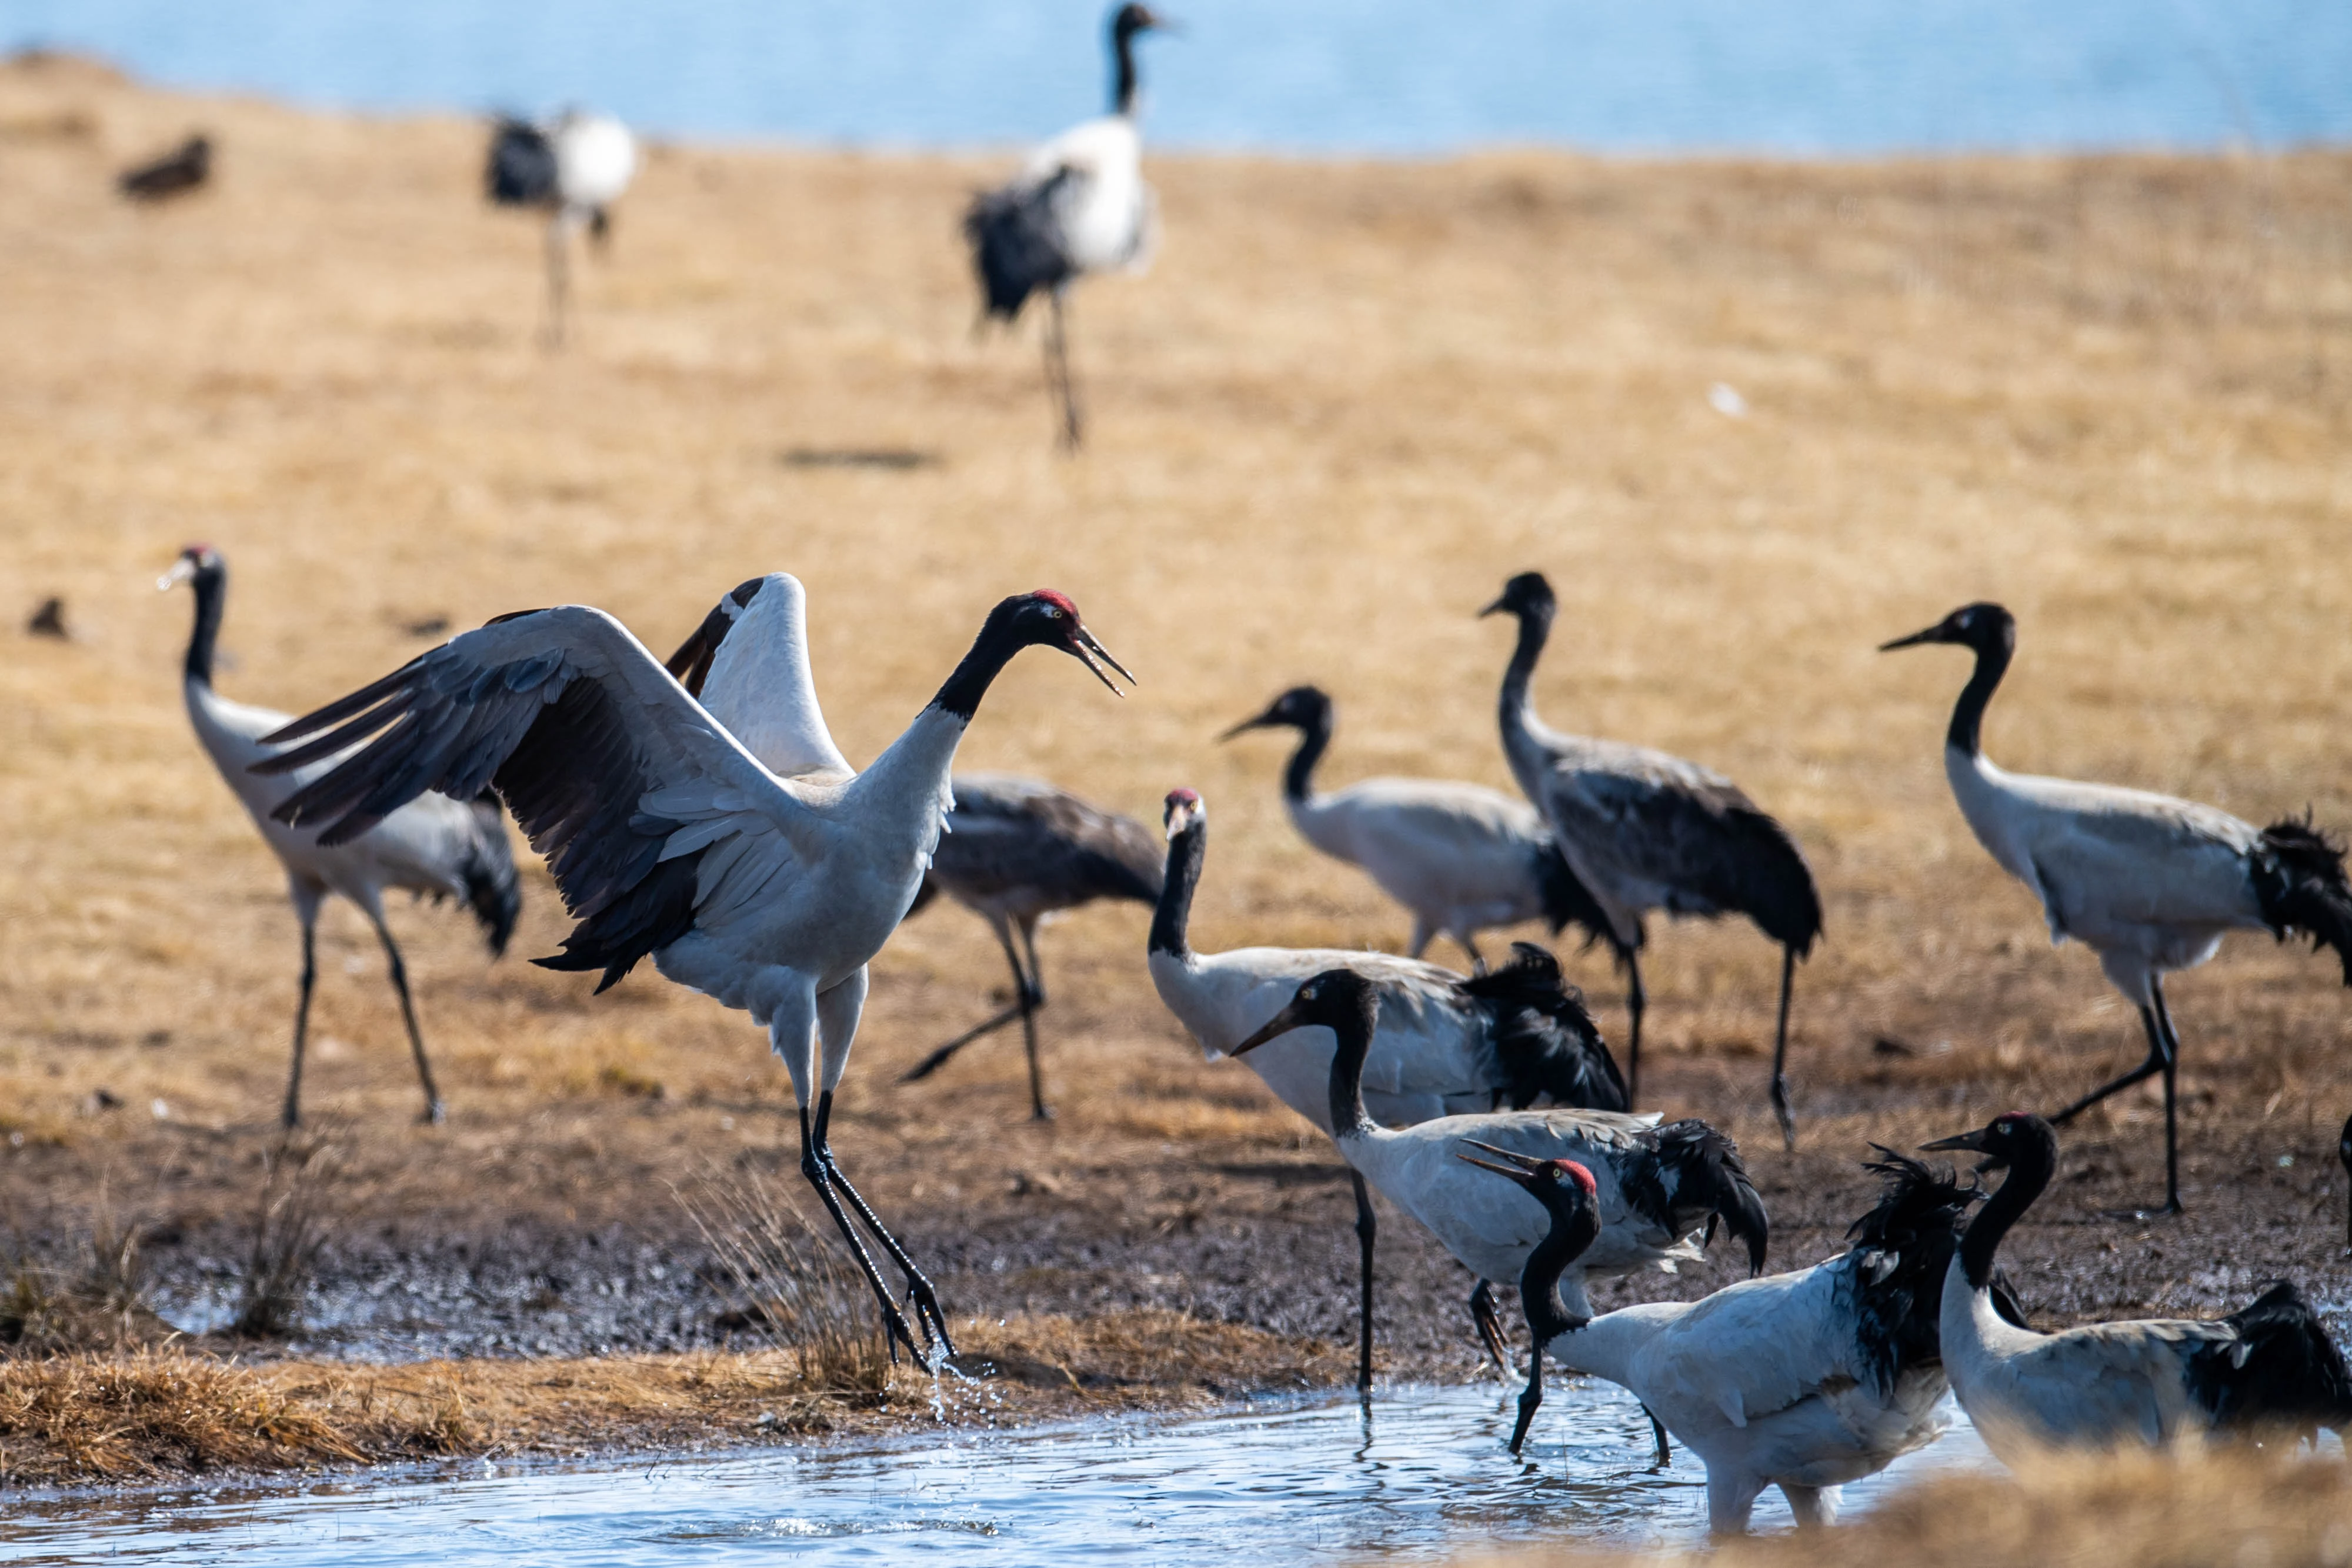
(1790, 77)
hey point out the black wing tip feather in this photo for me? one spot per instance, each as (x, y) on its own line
(1014, 249)
(1711, 1156)
(2299, 882)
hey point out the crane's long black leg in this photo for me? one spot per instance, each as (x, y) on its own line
(1057, 372)
(1019, 1009)
(1636, 999)
(291, 1115)
(433, 1109)
(1658, 1431)
(818, 1169)
(1781, 1053)
(1490, 1330)
(1030, 998)
(2171, 1095)
(1367, 1232)
(2155, 1064)
(1530, 1399)
(919, 1287)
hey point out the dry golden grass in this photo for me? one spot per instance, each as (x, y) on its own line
(161, 1412)
(2226, 1509)
(2115, 393)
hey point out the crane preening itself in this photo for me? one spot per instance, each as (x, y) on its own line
(1804, 1381)
(434, 846)
(1660, 1185)
(1460, 857)
(746, 857)
(1017, 850)
(1079, 206)
(1645, 831)
(574, 167)
(2270, 1368)
(1444, 1044)
(2149, 883)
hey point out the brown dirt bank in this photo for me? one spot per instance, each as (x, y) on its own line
(2115, 393)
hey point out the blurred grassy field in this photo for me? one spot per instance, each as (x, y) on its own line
(2114, 393)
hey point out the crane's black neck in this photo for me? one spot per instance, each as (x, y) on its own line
(1563, 1244)
(991, 652)
(2029, 1170)
(210, 583)
(1171, 918)
(1968, 713)
(1535, 630)
(1313, 740)
(1123, 83)
(1354, 1033)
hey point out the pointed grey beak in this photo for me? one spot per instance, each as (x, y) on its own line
(1933, 634)
(1094, 656)
(1496, 609)
(1282, 1023)
(182, 570)
(1262, 722)
(1972, 1142)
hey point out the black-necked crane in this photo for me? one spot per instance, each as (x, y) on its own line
(1646, 830)
(1446, 1044)
(1462, 858)
(1079, 206)
(185, 168)
(1659, 1184)
(1012, 850)
(2147, 882)
(763, 872)
(2270, 1367)
(1805, 1381)
(574, 167)
(1016, 851)
(433, 847)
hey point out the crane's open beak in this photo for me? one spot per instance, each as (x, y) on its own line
(182, 570)
(1522, 1177)
(1933, 634)
(1291, 1017)
(1094, 656)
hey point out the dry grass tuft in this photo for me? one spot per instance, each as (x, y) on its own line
(798, 1290)
(154, 1413)
(98, 1302)
(291, 1225)
(2223, 1508)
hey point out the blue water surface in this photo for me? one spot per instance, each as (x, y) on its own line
(1806, 77)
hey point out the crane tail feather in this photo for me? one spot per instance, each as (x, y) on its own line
(2300, 884)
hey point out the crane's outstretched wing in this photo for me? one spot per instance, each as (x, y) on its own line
(647, 810)
(748, 664)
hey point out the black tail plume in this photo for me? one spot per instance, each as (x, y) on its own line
(521, 168)
(2300, 884)
(2282, 1371)
(492, 888)
(649, 917)
(1692, 1173)
(1568, 901)
(1902, 1249)
(1545, 1041)
(1016, 247)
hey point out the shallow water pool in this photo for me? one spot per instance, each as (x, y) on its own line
(1416, 1474)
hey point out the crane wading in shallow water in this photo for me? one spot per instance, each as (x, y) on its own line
(1804, 1381)
(2149, 883)
(751, 863)
(1015, 851)
(1444, 1044)
(434, 846)
(575, 166)
(1645, 831)
(1660, 1184)
(1079, 206)
(1460, 857)
(2269, 1368)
